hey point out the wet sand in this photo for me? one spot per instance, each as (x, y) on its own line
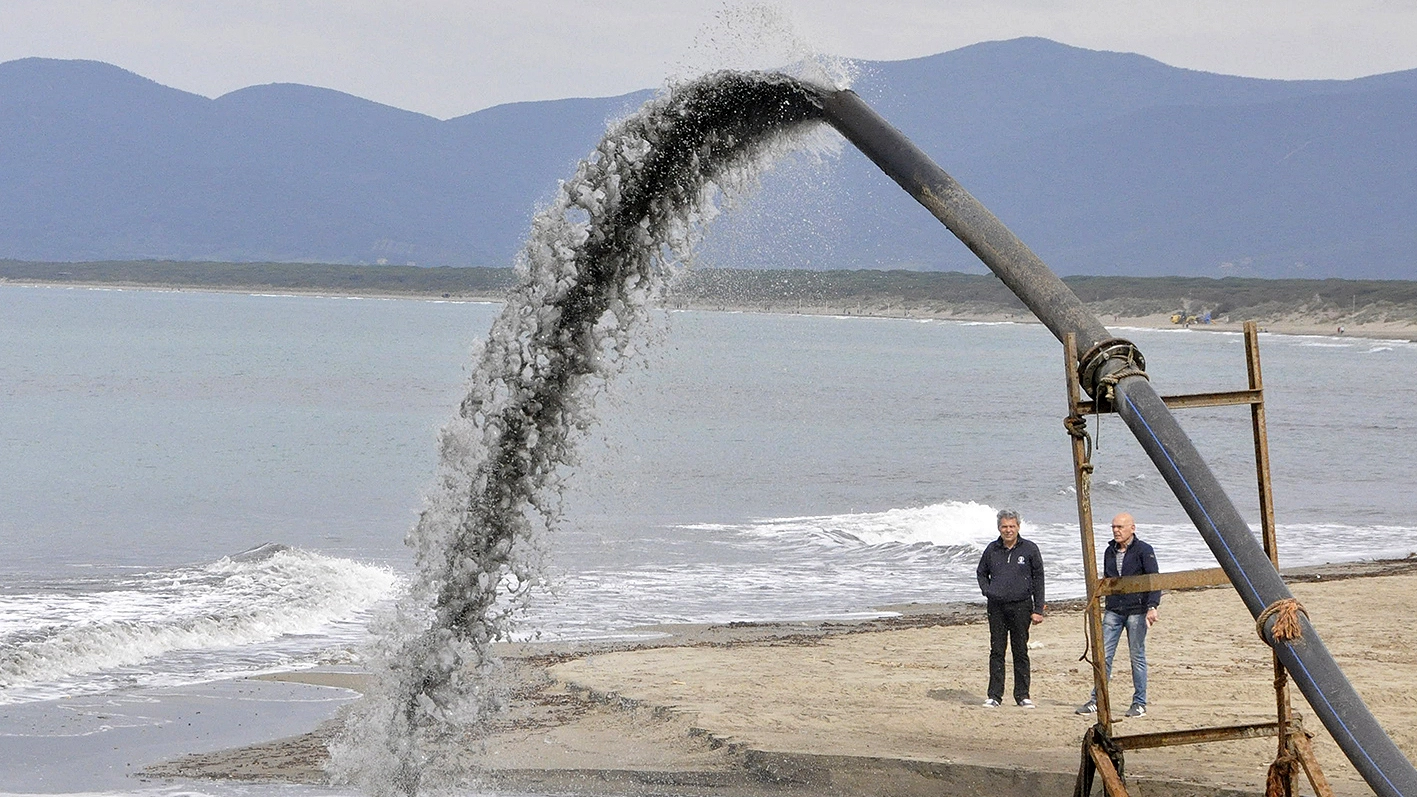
(1291, 324)
(94, 744)
(892, 706)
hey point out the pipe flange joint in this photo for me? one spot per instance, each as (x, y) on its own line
(1091, 362)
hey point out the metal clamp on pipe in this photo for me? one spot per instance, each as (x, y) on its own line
(1110, 364)
(1091, 375)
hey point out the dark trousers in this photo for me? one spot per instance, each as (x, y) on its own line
(1008, 625)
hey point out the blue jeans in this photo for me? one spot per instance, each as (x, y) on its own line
(1112, 625)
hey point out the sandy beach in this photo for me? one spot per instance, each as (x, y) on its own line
(889, 706)
(1288, 324)
(892, 705)
(1362, 322)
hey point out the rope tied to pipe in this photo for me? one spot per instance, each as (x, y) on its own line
(1090, 365)
(1110, 381)
(1103, 389)
(1285, 612)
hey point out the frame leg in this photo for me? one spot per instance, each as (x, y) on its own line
(1305, 750)
(1112, 783)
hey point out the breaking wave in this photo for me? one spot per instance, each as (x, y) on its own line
(75, 637)
(948, 524)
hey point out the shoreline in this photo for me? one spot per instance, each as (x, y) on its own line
(1290, 324)
(890, 706)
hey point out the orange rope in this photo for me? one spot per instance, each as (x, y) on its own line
(1286, 613)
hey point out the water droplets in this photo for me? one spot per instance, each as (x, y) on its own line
(596, 259)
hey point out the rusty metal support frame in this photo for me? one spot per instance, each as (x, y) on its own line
(1260, 434)
(1082, 479)
(1112, 373)
(1112, 783)
(1224, 733)
(1304, 749)
(1291, 738)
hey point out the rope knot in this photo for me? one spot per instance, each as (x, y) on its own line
(1286, 613)
(1091, 362)
(1122, 373)
(1281, 774)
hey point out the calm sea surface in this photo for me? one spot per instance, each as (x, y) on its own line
(753, 467)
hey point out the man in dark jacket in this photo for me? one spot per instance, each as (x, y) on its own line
(1011, 577)
(1127, 556)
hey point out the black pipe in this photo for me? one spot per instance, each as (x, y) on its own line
(1227, 534)
(1017, 266)
(1309, 663)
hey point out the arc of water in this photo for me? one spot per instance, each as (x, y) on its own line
(594, 260)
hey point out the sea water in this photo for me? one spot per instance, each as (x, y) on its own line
(756, 467)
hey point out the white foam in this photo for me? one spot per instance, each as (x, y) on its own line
(951, 523)
(55, 637)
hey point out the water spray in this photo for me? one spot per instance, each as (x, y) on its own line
(595, 260)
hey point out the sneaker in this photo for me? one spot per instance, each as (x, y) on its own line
(1090, 707)
(1137, 710)
(1026, 703)
(991, 703)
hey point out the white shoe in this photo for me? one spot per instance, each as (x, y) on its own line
(991, 703)
(1026, 703)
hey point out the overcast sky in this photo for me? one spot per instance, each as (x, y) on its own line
(450, 57)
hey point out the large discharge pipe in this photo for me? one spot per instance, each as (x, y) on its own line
(1313, 669)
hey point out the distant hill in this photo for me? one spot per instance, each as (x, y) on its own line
(99, 163)
(1104, 163)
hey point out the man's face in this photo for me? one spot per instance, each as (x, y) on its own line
(1123, 529)
(1008, 530)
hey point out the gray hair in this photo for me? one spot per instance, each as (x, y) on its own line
(1006, 514)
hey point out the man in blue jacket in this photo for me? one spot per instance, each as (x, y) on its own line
(1127, 556)
(1011, 577)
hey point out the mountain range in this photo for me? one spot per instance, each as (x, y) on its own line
(1104, 163)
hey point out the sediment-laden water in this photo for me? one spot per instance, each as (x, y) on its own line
(592, 264)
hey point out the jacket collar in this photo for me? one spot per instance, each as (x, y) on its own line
(1112, 544)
